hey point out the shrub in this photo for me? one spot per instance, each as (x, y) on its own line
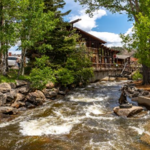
(137, 76)
(42, 73)
(64, 76)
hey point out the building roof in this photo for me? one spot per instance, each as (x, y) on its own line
(75, 21)
(122, 56)
(94, 37)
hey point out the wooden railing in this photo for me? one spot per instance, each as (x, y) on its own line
(110, 66)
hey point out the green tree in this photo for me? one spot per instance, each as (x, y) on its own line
(33, 24)
(131, 7)
(57, 43)
(8, 12)
(140, 39)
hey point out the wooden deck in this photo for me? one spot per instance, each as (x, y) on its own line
(114, 67)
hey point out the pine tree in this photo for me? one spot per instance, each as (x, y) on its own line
(57, 43)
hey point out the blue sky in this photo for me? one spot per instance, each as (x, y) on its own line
(103, 24)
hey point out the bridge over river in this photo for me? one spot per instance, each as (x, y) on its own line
(102, 70)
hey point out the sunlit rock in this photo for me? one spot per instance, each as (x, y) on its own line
(37, 98)
(127, 112)
(20, 97)
(50, 93)
(11, 96)
(13, 85)
(50, 85)
(8, 110)
(3, 98)
(21, 83)
(5, 87)
(24, 89)
(143, 100)
(112, 79)
(18, 104)
(105, 79)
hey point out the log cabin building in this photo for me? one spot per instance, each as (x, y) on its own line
(101, 56)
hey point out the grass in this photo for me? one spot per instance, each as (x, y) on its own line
(11, 76)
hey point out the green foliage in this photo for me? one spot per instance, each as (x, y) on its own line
(41, 74)
(11, 77)
(140, 39)
(137, 76)
(64, 76)
(80, 65)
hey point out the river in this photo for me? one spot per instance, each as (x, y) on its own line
(83, 120)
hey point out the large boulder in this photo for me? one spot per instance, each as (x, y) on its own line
(143, 100)
(127, 112)
(5, 87)
(3, 98)
(21, 83)
(8, 110)
(50, 93)
(37, 98)
(11, 96)
(23, 89)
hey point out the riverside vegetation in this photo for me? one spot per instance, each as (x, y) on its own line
(51, 48)
(45, 40)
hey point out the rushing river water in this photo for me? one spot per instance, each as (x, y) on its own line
(83, 120)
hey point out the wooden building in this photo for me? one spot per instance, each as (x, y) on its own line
(100, 54)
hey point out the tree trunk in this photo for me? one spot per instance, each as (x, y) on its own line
(21, 69)
(146, 75)
(2, 44)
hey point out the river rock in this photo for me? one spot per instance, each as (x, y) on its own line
(3, 98)
(63, 90)
(127, 112)
(145, 93)
(22, 109)
(145, 138)
(105, 79)
(24, 89)
(5, 87)
(20, 97)
(50, 85)
(135, 94)
(18, 104)
(131, 90)
(29, 105)
(112, 79)
(143, 100)
(21, 83)
(13, 85)
(37, 98)
(11, 95)
(50, 93)
(8, 110)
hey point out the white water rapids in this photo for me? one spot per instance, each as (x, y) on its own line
(83, 120)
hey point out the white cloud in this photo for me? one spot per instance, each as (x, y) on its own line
(112, 39)
(87, 23)
(129, 31)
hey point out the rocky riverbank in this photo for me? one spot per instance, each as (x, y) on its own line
(19, 96)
